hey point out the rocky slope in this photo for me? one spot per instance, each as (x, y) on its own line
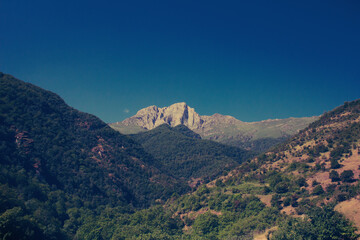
(176, 114)
(257, 136)
(308, 186)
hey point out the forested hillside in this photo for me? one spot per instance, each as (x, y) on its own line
(303, 186)
(181, 153)
(56, 160)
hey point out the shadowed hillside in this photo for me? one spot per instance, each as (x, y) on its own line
(181, 153)
(54, 158)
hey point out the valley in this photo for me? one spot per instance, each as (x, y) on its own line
(66, 174)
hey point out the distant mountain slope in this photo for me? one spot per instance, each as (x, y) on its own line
(257, 136)
(298, 190)
(75, 151)
(181, 153)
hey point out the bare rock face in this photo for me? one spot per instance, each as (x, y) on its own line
(221, 128)
(176, 114)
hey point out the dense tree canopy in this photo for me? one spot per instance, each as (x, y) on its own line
(181, 153)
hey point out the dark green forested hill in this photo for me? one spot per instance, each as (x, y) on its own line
(53, 158)
(183, 154)
(76, 151)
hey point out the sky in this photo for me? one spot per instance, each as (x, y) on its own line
(253, 60)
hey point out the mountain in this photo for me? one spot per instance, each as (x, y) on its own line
(305, 188)
(309, 187)
(176, 114)
(181, 153)
(65, 174)
(54, 158)
(256, 136)
(62, 144)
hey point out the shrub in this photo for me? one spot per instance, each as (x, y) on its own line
(281, 188)
(206, 223)
(318, 190)
(331, 188)
(287, 201)
(301, 182)
(315, 183)
(334, 176)
(334, 164)
(347, 176)
(275, 201)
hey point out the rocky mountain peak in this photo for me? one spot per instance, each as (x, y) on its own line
(147, 110)
(176, 114)
(226, 129)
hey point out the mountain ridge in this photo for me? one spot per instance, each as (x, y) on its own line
(257, 136)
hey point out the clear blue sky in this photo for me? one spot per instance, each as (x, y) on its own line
(253, 60)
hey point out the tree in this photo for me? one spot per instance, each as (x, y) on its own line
(206, 223)
(334, 164)
(13, 225)
(302, 182)
(329, 224)
(287, 201)
(318, 190)
(330, 189)
(325, 223)
(275, 201)
(347, 176)
(294, 202)
(315, 183)
(281, 187)
(219, 183)
(334, 176)
(294, 228)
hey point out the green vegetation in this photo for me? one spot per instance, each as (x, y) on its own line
(321, 223)
(334, 176)
(318, 190)
(181, 153)
(65, 175)
(347, 176)
(115, 223)
(54, 158)
(224, 212)
(258, 145)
